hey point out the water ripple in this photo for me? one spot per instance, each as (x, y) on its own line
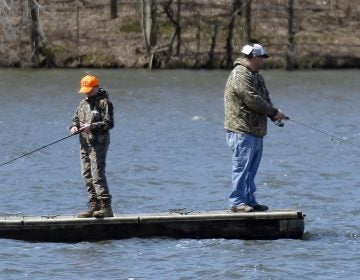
(168, 151)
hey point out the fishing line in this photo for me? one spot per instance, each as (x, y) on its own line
(324, 132)
(38, 149)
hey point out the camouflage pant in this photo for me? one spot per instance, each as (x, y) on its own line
(93, 163)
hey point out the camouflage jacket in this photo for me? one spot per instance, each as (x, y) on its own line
(99, 112)
(247, 102)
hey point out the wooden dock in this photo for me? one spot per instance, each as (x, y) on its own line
(174, 224)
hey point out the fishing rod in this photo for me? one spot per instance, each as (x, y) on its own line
(38, 149)
(281, 124)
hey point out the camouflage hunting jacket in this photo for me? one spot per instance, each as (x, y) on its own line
(247, 102)
(99, 112)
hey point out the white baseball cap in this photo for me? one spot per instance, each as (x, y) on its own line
(256, 50)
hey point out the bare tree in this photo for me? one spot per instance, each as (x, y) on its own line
(113, 8)
(42, 54)
(198, 35)
(247, 28)
(175, 20)
(214, 34)
(291, 37)
(77, 24)
(215, 23)
(229, 40)
(241, 8)
(34, 32)
(178, 27)
(149, 19)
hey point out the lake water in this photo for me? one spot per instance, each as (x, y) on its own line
(168, 150)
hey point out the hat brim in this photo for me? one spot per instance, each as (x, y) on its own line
(85, 90)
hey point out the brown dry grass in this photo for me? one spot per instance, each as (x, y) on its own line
(327, 33)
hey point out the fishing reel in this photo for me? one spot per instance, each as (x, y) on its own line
(279, 123)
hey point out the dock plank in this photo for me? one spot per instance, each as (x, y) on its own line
(195, 224)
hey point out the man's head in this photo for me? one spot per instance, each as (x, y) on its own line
(254, 54)
(88, 85)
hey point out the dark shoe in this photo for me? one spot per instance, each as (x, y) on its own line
(93, 206)
(242, 208)
(260, 208)
(105, 211)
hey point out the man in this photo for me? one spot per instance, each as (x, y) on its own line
(93, 119)
(247, 107)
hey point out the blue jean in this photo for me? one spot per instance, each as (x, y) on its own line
(247, 152)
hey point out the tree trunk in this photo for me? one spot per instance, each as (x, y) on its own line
(214, 34)
(247, 31)
(77, 24)
(291, 37)
(229, 39)
(175, 20)
(178, 28)
(113, 8)
(198, 36)
(149, 15)
(34, 32)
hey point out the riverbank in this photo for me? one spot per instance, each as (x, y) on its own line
(190, 34)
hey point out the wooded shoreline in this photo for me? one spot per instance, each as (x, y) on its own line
(169, 34)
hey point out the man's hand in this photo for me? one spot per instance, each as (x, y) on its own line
(85, 128)
(279, 116)
(74, 130)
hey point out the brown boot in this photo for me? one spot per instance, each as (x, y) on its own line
(94, 205)
(105, 210)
